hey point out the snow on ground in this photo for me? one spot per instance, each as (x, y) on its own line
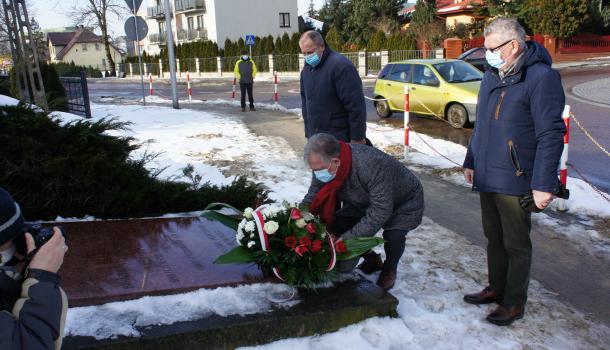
(8, 101)
(439, 266)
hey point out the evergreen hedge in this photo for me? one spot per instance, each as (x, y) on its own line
(72, 70)
(78, 169)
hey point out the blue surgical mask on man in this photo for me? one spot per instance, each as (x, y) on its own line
(312, 59)
(494, 59)
(245, 57)
(324, 175)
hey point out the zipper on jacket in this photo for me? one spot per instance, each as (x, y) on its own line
(500, 104)
(514, 158)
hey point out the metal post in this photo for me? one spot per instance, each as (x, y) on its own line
(83, 78)
(160, 68)
(197, 66)
(135, 24)
(406, 121)
(563, 162)
(171, 54)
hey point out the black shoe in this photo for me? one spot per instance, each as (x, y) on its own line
(372, 263)
(243, 109)
(252, 109)
(486, 296)
(505, 314)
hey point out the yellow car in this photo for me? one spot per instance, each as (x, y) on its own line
(440, 87)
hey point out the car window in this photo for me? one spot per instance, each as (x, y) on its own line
(423, 75)
(401, 73)
(385, 71)
(476, 54)
(458, 72)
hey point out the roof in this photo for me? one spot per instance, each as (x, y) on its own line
(69, 39)
(408, 8)
(464, 6)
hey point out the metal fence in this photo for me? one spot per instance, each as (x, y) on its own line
(208, 64)
(286, 63)
(78, 94)
(411, 55)
(352, 56)
(373, 62)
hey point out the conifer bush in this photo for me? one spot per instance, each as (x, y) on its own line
(77, 169)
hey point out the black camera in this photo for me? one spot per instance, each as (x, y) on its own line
(528, 204)
(41, 234)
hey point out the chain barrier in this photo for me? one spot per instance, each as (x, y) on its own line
(434, 149)
(600, 192)
(586, 132)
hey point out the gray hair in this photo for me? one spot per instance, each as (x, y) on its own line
(507, 28)
(324, 145)
(314, 36)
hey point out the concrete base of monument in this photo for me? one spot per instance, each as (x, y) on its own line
(325, 311)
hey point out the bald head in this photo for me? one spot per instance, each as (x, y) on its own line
(310, 42)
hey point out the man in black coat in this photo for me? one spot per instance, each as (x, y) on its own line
(331, 92)
(32, 304)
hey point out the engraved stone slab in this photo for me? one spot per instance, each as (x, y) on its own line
(127, 259)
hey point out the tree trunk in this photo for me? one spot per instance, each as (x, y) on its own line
(104, 28)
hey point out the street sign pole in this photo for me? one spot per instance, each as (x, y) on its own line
(135, 24)
(170, 51)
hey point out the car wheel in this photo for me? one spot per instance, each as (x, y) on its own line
(383, 108)
(457, 116)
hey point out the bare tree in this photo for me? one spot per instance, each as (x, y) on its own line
(95, 13)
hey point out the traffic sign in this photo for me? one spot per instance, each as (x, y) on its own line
(250, 40)
(134, 5)
(136, 28)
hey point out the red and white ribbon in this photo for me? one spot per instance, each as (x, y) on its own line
(259, 220)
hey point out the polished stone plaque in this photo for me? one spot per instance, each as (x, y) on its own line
(126, 259)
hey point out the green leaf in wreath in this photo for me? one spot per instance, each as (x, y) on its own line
(239, 255)
(229, 221)
(358, 246)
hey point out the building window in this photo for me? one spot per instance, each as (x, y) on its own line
(284, 20)
(199, 22)
(190, 21)
(162, 28)
(84, 47)
(97, 47)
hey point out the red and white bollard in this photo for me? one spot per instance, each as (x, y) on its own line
(188, 86)
(406, 121)
(276, 96)
(234, 82)
(150, 89)
(563, 162)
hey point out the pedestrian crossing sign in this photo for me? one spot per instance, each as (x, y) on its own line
(250, 40)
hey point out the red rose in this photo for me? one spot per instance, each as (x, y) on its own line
(340, 247)
(316, 246)
(301, 250)
(290, 241)
(311, 228)
(305, 241)
(295, 214)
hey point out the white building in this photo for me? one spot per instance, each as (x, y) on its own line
(217, 20)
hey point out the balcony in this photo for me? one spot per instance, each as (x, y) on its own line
(157, 38)
(157, 12)
(190, 5)
(192, 35)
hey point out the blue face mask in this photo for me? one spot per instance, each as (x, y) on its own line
(494, 59)
(324, 175)
(313, 59)
(245, 57)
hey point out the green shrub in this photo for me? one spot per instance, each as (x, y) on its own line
(72, 70)
(77, 169)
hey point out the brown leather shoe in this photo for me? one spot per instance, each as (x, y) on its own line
(486, 296)
(372, 263)
(386, 279)
(505, 314)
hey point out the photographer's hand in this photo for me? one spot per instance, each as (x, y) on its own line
(50, 256)
(542, 199)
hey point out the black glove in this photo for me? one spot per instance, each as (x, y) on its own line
(528, 204)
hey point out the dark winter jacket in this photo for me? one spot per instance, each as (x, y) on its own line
(332, 98)
(518, 136)
(245, 71)
(37, 318)
(380, 191)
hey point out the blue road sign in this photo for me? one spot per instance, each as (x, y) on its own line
(250, 40)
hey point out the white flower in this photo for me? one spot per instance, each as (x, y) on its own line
(239, 237)
(251, 244)
(271, 227)
(249, 213)
(301, 223)
(252, 235)
(250, 227)
(308, 216)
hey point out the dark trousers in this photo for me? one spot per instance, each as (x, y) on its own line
(394, 246)
(509, 248)
(246, 88)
